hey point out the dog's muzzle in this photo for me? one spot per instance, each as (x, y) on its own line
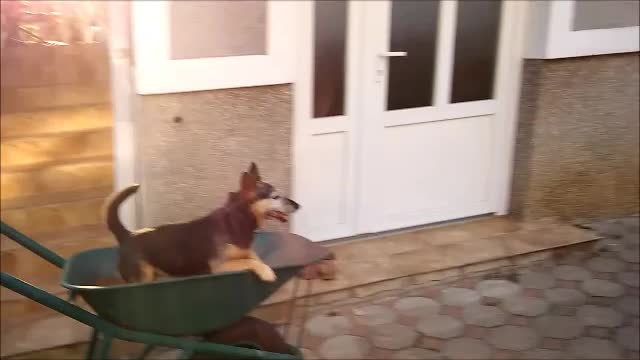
(287, 206)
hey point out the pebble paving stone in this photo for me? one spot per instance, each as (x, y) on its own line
(605, 264)
(417, 306)
(563, 310)
(417, 354)
(373, 315)
(598, 332)
(526, 305)
(629, 338)
(545, 354)
(567, 297)
(393, 336)
(608, 227)
(570, 272)
(630, 278)
(440, 326)
(345, 347)
(592, 315)
(607, 244)
(459, 297)
(536, 280)
(325, 326)
(485, 316)
(500, 289)
(559, 327)
(605, 288)
(629, 305)
(467, 348)
(632, 256)
(510, 337)
(592, 348)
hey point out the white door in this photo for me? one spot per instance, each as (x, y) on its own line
(399, 113)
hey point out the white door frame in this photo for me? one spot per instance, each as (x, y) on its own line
(508, 83)
(122, 97)
(508, 89)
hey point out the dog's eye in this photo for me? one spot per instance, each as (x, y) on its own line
(275, 197)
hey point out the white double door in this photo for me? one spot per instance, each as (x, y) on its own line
(399, 113)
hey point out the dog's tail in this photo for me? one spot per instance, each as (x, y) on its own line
(110, 211)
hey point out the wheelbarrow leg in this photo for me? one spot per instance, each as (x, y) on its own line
(92, 345)
(147, 349)
(186, 354)
(104, 347)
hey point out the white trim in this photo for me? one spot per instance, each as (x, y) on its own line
(439, 113)
(156, 73)
(304, 125)
(447, 20)
(121, 104)
(301, 101)
(552, 37)
(509, 88)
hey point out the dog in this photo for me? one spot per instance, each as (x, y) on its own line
(220, 241)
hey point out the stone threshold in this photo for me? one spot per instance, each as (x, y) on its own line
(427, 257)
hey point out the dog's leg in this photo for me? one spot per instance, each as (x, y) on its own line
(259, 268)
(147, 272)
(265, 269)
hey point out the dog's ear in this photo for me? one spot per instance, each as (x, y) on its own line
(248, 183)
(253, 170)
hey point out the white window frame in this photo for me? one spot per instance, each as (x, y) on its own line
(156, 73)
(551, 35)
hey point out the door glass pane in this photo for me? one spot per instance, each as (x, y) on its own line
(330, 39)
(475, 50)
(414, 25)
(204, 29)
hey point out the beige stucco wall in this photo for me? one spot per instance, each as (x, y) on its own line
(187, 168)
(577, 146)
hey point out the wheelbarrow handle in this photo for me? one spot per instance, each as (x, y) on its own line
(32, 245)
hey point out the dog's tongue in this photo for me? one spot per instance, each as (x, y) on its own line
(278, 215)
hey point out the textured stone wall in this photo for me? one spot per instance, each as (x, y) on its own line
(577, 146)
(187, 167)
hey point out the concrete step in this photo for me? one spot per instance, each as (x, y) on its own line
(34, 221)
(40, 98)
(55, 121)
(78, 233)
(54, 198)
(40, 66)
(42, 332)
(37, 152)
(29, 267)
(56, 179)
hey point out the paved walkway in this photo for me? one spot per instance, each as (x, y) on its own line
(578, 306)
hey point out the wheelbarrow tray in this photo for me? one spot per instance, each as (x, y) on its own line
(189, 305)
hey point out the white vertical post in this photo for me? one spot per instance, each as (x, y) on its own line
(445, 51)
(121, 103)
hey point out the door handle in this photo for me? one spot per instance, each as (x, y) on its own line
(393, 54)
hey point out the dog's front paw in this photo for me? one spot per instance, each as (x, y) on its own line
(266, 274)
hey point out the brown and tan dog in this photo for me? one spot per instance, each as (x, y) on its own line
(219, 241)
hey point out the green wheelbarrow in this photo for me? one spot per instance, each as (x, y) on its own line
(170, 312)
